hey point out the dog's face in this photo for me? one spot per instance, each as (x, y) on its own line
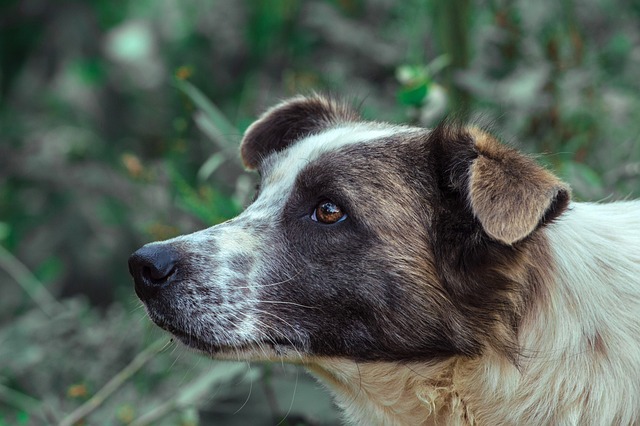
(365, 241)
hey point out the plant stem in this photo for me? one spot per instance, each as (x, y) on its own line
(116, 382)
(453, 23)
(19, 400)
(29, 283)
(191, 393)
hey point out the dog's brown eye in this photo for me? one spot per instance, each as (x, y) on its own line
(328, 213)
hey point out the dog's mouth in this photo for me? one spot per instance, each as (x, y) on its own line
(266, 349)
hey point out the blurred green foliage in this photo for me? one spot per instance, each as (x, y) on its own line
(119, 124)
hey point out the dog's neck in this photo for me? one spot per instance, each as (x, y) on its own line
(393, 393)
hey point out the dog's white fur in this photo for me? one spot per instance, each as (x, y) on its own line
(580, 361)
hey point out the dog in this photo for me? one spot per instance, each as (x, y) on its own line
(424, 276)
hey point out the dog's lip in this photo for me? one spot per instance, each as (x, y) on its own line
(190, 339)
(212, 348)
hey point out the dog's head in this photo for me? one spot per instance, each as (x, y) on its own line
(366, 240)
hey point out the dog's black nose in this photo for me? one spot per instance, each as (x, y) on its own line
(152, 267)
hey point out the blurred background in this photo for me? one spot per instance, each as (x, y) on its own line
(119, 125)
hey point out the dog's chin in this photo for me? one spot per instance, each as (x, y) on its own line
(193, 341)
(265, 350)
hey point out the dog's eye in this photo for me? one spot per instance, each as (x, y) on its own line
(327, 212)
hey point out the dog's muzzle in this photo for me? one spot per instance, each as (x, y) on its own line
(153, 268)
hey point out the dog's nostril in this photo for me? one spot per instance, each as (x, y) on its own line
(146, 272)
(153, 267)
(158, 276)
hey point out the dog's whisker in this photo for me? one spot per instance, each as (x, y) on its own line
(246, 401)
(259, 286)
(293, 397)
(262, 333)
(281, 334)
(176, 356)
(282, 302)
(138, 307)
(281, 320)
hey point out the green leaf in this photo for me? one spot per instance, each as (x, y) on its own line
(212, 121)
(205, 202)
(210, 166)
(413, 95)
(416, 82)
(5, 230)
(49, 270)
(89, 71)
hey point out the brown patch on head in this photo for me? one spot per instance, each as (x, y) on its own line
(286, 123)
(509, 193)
(379, 295)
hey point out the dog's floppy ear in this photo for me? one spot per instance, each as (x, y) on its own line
(508, 193)
(287, 123)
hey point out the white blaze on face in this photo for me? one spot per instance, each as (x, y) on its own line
(281, 169)
(279, 176)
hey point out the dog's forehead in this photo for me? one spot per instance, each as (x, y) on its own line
(283, 167)
(281, 170)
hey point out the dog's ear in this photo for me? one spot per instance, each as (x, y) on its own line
(288, 122)
(508, 193)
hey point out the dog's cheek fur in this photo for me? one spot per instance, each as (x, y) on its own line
(365, 288)
(322, 299)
